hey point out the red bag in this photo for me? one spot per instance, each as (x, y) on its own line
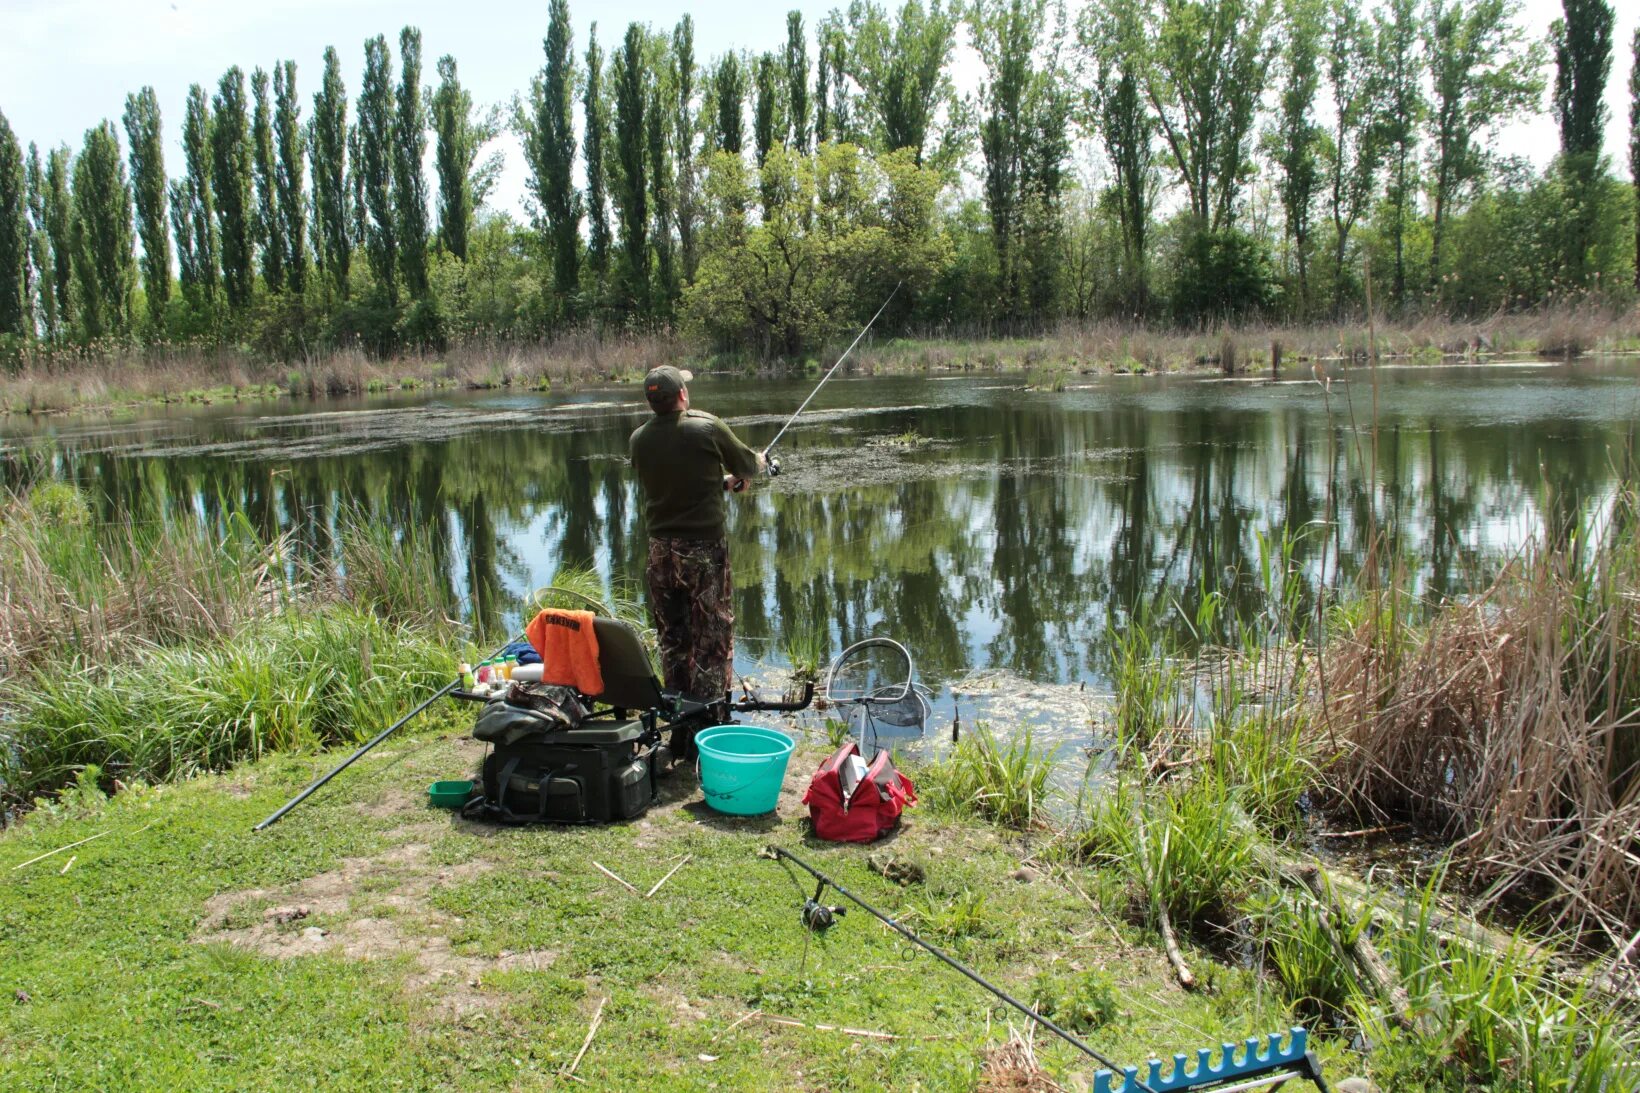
(847, 809)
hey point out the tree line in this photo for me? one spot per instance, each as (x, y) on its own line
(1158, 160)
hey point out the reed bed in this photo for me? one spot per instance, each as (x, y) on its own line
(1509, 725)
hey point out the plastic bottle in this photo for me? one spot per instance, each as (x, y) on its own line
(467, 680)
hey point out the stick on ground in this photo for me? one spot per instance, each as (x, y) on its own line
(668, 876)
(614, 878)
(592, 1030)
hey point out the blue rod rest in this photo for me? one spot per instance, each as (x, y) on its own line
(1252, 1063)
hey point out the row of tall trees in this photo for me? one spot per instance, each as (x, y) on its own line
(1246, 156)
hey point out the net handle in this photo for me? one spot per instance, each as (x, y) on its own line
(842, 659)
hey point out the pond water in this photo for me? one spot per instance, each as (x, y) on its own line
(998, 532)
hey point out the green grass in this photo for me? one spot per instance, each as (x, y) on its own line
(1006, 783)
(130, 982)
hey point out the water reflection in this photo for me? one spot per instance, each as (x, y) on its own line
(1011, 532)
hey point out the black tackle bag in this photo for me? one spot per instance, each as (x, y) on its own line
(546, 766)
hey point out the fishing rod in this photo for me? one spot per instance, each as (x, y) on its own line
(774, 467)
(816, 916)
(349, 761)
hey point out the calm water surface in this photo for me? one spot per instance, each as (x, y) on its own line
(1000, 533)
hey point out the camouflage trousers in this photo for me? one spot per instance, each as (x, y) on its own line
(689, 600)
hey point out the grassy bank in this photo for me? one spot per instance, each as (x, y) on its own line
(64, 381)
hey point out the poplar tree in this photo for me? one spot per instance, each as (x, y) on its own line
(728, 93)
(268, 235)
(657, 122)
(143, 130)
(374, 164)
(1634, 145)
(767, 126)
(797, 84)
(1208, 59)
(595, 140)
(188, 271)
(1297, 135)
(683, 141)
(1353, 155)
(57, 205)
(1004, 33)
(452, 107)
(1583, 64)
(900, 68)
(1481, 73)
(45, 283)
(1113, 36)
(287, 124)
(409, 181)
(627, 73)
(549, 148)
(231, 180)
(104, 269)
(15, 312)
(831, 104)
(328, 149)
(1401, 66)
(201, 199)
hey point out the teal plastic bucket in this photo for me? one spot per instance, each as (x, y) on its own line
(742, 767)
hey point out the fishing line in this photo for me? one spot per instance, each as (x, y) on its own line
(770, 446)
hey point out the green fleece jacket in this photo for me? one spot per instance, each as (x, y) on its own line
(681, 458)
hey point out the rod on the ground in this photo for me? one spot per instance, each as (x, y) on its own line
(349, 761)
(825, 881)
(770, 447)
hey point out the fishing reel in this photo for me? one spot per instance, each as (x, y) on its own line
(774, 467)
(820, 918)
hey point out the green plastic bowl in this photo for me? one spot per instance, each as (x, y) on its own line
(450, 794)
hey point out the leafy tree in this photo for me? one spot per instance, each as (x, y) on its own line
(45, 282)
(376, 153)
(628, 74)
(292, 197)
(797, 84)
(1634, 146)
(58, 207)
(683, 140)
(1223, 275)
(767, 119)
(1297, 137)
(200, 196)
(1005, 32)
(1481, 73)
(1208, 59)
(104, 269)
(231, 181)
(328, 147)
(901, 70)
(1352, 155)
(265, 169)
(454, 152)
(15, 312)
(142, 128)
(1111, 36)
(1401, 66)
(657, 123)
(549, 148)
(594, 143)
(409, 181)
(1583, 63)
(728, 93)
(832, 117)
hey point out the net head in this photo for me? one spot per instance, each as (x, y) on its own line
(877, 670)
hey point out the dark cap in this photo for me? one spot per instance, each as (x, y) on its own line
(663, 385)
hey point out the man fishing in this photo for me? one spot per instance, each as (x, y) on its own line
(687, 460)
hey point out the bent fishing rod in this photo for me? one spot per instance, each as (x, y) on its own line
(774, 467)
(817, 917)
(350, 760)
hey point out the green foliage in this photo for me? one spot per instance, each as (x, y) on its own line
(231, 183)
(104, 270)
(1006, 784)
(549, 148)
(728, 93)
(291, 196)
(374, 155)
(456, 148)
(14, 235)
(270, 239)
(328, 146)
(409, 180)
(1223, 275)
(796, 63)
(900, 68)
(628, 71)
(1082, 1002)
(142, 129)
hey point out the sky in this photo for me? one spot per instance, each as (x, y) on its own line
(67, 64)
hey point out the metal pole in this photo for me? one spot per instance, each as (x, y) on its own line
(780, 852)
(349, 761)
(770, 447)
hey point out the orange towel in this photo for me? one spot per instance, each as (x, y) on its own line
(568, 645)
